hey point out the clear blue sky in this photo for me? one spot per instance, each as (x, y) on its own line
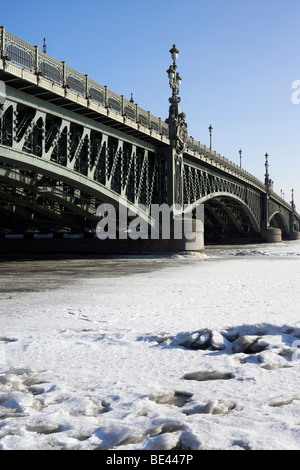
(238, 60)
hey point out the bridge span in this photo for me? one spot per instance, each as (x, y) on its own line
(69, 145)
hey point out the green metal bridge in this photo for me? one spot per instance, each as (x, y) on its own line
(69, 144)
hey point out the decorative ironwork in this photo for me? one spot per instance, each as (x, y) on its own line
(176, 120)
(31, 58)
(19, 56)
(126, 169)
(123, 168)
(268, 181)
(200, 185)
(177, 131)
(50, 72)
(75, 84)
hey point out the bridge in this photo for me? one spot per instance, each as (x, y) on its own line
(69, 145)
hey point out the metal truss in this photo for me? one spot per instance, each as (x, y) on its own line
(124, 168)
(280, 217)
(225, 198)
(57, 168)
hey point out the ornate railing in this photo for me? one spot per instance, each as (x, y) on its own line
(218, 160)
(32, 59)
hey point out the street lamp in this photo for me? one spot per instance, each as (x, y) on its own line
(267, 180)
(176, 119)
(174, 53)
(293, 201)
(174, 79)
(177, 134)
(240, 152)
(210, 134)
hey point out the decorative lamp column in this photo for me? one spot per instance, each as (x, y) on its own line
(293, 201)
(210, 135)
(267, 170)
(177, 136)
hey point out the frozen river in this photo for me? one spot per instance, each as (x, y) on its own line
(33, 274)
(38, 273)
(187, 352)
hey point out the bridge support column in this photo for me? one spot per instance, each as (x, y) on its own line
(185, 235)
(272, 235)
(295, 235)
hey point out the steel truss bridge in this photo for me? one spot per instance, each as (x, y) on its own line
(69, 144)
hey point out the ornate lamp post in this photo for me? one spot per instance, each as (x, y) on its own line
(177, 135)
(174, 80)
(267, 167)
(293, 201)
(268, 182)
(174, 162)
(175, 119)
(240, 152)
(210, 135)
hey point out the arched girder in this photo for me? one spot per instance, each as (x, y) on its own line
(217, 216)
(242, 203)
(237, 224)
(31, 209)
(30, 162)
(282, 221)
(13, 177)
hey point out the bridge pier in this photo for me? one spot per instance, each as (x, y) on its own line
(191, 236)
(295, 235)
(272, 235)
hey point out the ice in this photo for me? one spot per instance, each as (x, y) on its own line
(186, 351)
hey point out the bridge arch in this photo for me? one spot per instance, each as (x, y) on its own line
(235, 209)
(17, 161)
(277, 220)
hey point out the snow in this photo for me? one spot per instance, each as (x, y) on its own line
(189, 351)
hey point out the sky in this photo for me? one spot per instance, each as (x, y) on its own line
(238, 60)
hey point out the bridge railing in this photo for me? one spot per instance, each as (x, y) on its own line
(217, 159)
(32, 59)
(214, 157)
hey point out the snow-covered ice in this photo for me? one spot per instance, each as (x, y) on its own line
(190, 351)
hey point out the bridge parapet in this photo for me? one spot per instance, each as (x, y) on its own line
(205, 154)
(17, 52)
